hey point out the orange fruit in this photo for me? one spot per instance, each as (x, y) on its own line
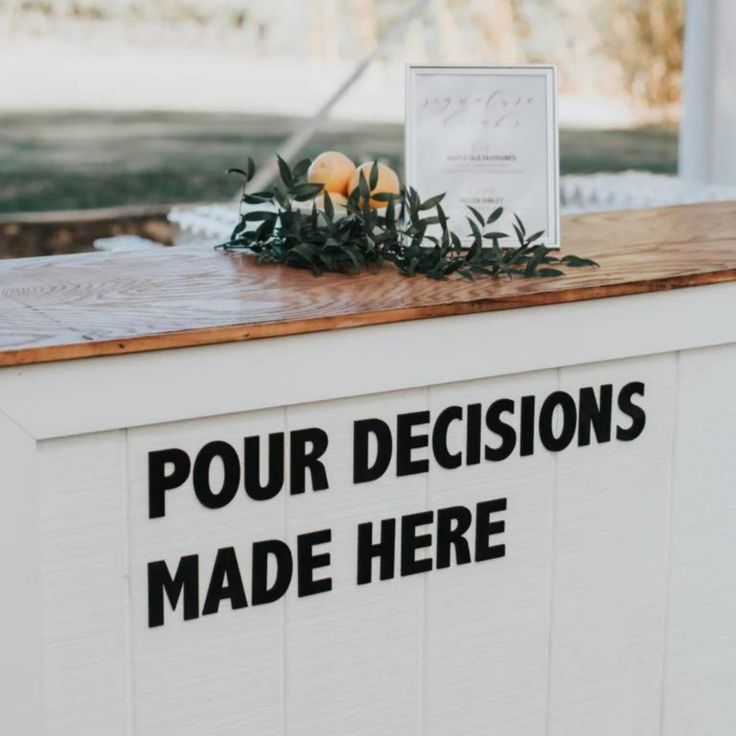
(388, 181)
(333, 170)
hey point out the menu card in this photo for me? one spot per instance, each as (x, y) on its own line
(487, 136)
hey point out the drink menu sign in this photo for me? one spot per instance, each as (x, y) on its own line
(487, 137)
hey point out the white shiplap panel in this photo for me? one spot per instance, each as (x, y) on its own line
(611, 559)
(220, 674)
(354, 655)
(82, 527)
(21, 687)
(487, 634)
(700, 681)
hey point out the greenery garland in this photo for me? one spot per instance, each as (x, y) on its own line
(366, 237)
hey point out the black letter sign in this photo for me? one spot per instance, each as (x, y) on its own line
(159, 482)
(362, 429)
(160, 581)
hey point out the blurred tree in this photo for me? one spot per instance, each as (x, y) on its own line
(484, 30)
(365, 11)
(501, 24)
(645, 38)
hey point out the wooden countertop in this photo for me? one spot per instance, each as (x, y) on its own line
(63, 307)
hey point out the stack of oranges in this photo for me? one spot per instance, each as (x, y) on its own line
(339, 177)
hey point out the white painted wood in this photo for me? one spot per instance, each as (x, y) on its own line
(354, 655)
(21, 706)
(83, 564)
(575, 632)
(223, 673)
(610, 563)
(93, 395)
(700, 677)
(487, 637)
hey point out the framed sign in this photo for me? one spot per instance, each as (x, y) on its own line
(487, 136)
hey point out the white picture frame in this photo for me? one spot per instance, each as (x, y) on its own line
(509, 154)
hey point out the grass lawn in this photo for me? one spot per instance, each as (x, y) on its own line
(78, 160)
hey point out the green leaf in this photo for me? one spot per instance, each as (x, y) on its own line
(577, 262)
(534, 237)
(240, 172)
(477, 215)
(549, 272)
(390, 214)
(305, 251)
(519, 235)
(354, 196)
(373, 178)
(303, 192)
(329, 207)
(520, 224)
(257, 215)
(254, 199)
(285, 172)
(238, 228)
(363, 187)
(477, 239)
(250, 168)
(495, 235)
(494, 215)
(301, 168)
(413, 200)
(265, 229)
(428, 204)
(534, 261)
(443, 217)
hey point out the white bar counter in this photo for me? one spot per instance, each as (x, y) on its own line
(239, 499)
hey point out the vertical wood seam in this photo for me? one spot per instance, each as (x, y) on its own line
(128, 632)
(285, 620)
(668, 580)
(552, 579)
(425, 603)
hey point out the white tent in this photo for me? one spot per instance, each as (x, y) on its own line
(707, 161)
(708, 128)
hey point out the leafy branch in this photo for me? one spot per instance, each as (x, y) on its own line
(364, 237)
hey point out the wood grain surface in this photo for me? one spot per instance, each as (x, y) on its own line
(59, 308)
